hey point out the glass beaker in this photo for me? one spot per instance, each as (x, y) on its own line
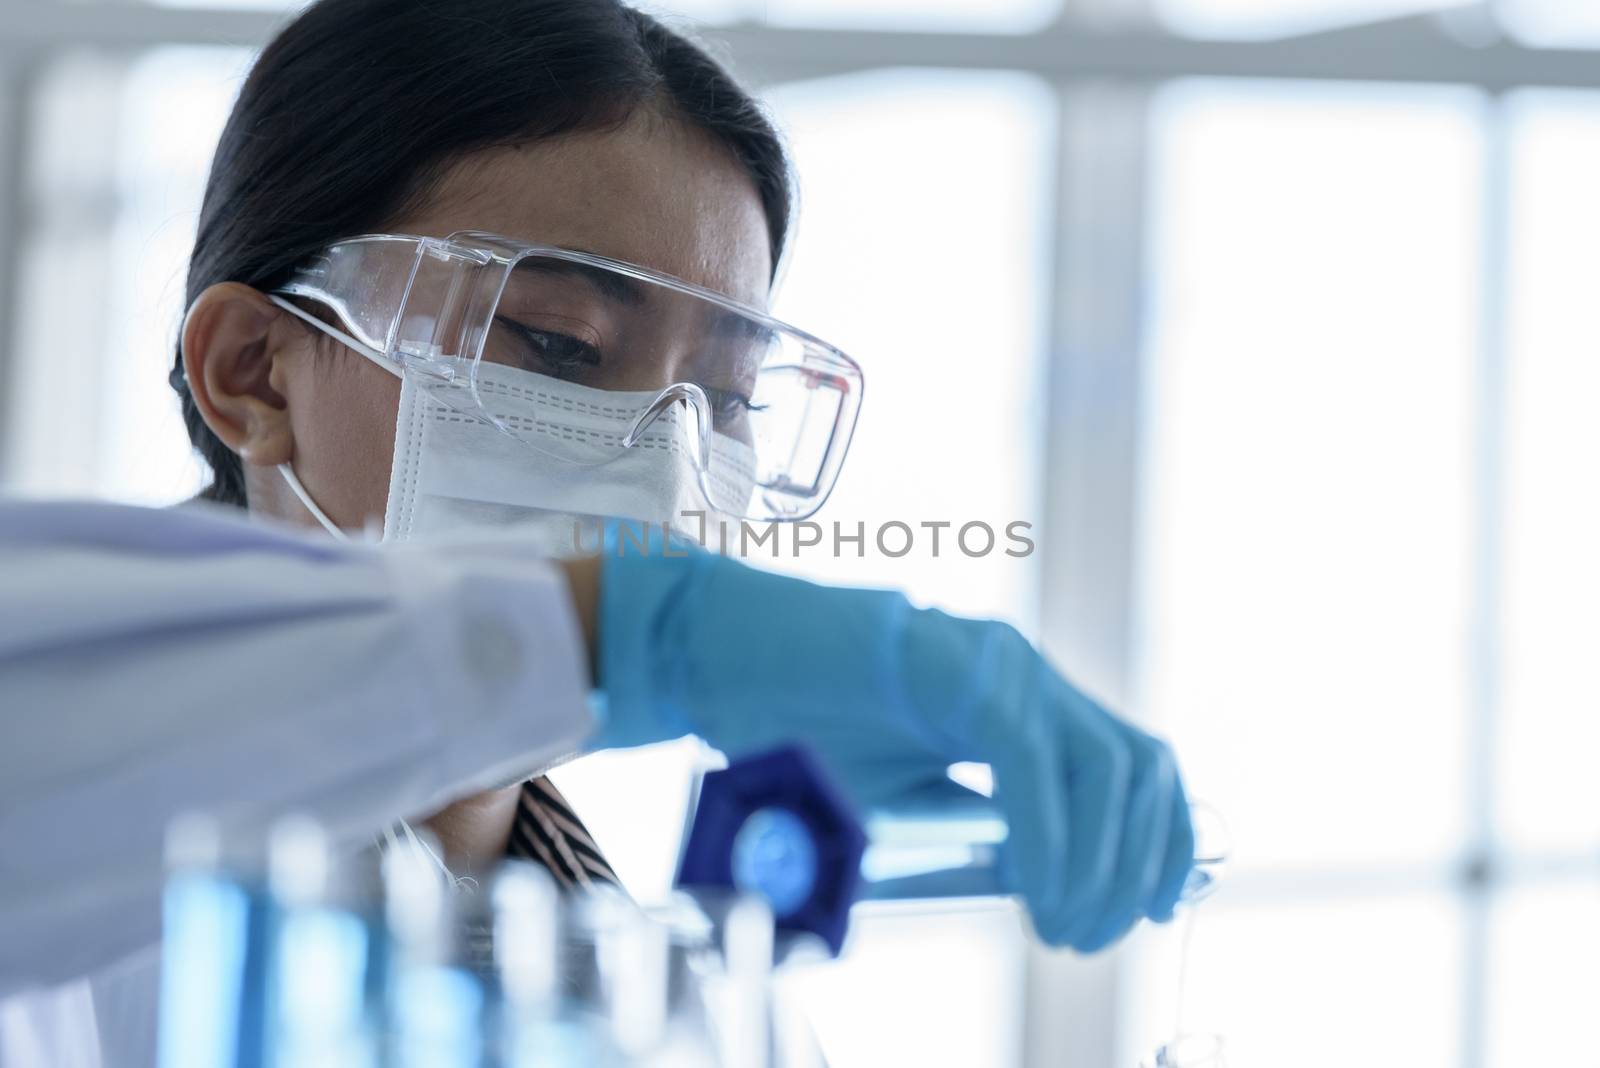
(1188, 1051)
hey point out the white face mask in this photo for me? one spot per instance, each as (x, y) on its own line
(455, 473)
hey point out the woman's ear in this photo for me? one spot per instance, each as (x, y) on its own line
(234, 348)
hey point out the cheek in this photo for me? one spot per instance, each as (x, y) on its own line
(344, 437)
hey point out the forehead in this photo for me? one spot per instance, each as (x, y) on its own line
(652, 192)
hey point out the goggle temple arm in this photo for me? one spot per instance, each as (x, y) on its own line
(694, 399)
(349, 340)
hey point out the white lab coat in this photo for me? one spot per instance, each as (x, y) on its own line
(153, 662)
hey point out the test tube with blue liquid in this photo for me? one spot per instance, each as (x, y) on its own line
(215, 918)
(527, 933)
(774, 825)
(272, 956)
(436, 1004)
(328, 963)
(955, 852)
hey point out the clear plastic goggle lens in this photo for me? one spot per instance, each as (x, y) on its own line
(765, 411)
(779, 412)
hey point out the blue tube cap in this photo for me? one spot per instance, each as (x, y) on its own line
(775, 825)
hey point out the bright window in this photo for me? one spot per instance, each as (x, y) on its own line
(1550, 804)
(1312, 340)
(1282, 18)
(1553, 23)
(120, 184)
(999, 16)
(1546, 961)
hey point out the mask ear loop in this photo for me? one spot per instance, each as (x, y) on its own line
(287, 470)
(299, 490)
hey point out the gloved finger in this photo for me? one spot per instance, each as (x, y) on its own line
(1098, 770)
(1179, 860)
(1144, 842)
(1032, 794)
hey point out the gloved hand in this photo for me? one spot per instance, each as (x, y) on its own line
(889, 696)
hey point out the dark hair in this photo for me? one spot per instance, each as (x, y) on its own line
(355, 109)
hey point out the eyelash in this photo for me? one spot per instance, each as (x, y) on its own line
(539, 340)
(721, 397)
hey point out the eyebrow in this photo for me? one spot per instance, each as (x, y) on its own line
(627, 291)
(610, 284)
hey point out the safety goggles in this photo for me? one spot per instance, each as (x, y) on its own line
(750, 393)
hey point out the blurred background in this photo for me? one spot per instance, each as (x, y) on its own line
(1276, 318)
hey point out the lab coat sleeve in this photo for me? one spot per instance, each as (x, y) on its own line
(160, 661)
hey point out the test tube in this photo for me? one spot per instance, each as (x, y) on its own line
(773, 825)
(721, 979)
(527, 936)
(436, 1004)
(634, 957)
(747, 938)
(955, 852)
(1189, 1051)
(214, 920)
(325, 973)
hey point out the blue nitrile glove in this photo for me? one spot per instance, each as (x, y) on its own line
(889, 696)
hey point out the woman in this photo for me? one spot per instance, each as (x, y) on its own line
(474, 272)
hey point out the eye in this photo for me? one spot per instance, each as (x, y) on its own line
(548, 351)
